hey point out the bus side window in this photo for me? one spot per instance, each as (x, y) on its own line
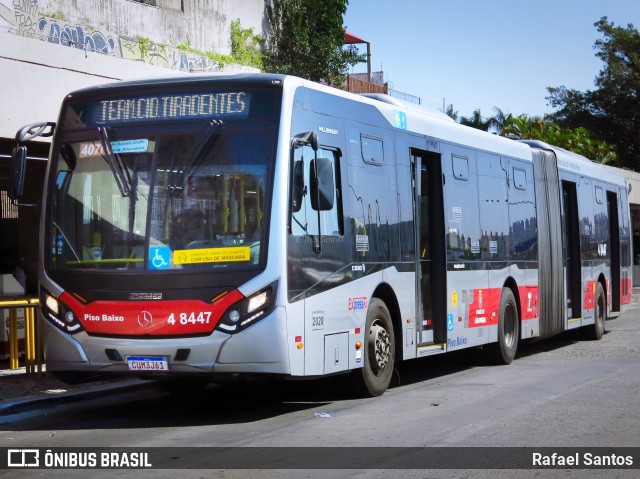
(520, 179)
(303, 205)
(371, 149)
(460, 167)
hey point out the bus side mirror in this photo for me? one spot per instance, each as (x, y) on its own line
(322, 185)
(17, 173)
(19, 155)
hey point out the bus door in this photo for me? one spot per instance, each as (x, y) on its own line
(430, 255)
(614, 246)
(573, 270)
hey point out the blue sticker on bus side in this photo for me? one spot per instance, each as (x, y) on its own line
(450, 322)
(399, 119)
(130, 146)
(159, 257)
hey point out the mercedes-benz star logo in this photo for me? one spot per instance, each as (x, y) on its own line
(145, 319)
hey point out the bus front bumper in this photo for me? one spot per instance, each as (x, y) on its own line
(262, 348)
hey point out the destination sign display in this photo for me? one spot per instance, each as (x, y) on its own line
(165, 107)
(172, 107)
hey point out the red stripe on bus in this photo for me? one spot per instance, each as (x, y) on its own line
(150, 318)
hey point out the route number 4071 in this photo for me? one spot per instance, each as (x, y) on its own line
(189, 318)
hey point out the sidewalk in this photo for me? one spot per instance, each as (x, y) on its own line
(20, 391)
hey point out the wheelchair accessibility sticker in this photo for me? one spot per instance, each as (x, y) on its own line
(159, 257)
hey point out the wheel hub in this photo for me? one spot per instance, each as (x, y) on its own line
(379, 347)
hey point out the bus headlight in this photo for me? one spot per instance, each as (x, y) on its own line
(51, 303)
(248, 311)
(58, 314)
(257, 301)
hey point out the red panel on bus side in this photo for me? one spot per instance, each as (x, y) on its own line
(529, 301)
(589, 295)
(483, 310)
(154, 318)
(625, 291)
(485, 307)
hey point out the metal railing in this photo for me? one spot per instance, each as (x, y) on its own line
(32, 334)
(405, 96)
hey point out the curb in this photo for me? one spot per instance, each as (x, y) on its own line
(25, 404)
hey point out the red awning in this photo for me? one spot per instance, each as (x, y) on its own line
(350, 38)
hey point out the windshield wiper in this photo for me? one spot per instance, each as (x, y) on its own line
(193, 157)
(120, 172)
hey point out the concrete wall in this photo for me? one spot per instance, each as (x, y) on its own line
(35, 76)
(205, 24)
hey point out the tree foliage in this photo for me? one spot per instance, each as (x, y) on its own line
(246, 46)
(476, 120)
(524, 127)
(579, 140)
(306, 39)
(612, 109)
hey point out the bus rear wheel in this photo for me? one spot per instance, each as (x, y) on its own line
(379, 351)
(508, 329)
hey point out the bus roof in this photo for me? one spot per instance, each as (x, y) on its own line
(420, 120)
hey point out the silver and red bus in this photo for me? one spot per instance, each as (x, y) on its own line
(224, 226)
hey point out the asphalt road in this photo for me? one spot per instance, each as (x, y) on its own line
(559, 392)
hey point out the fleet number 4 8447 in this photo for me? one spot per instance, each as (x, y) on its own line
(189, 318)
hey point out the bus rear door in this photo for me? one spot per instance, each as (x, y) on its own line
(430, 254)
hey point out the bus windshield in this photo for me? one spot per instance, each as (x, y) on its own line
(159, 197)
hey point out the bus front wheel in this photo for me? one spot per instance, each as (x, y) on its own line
(379, 351)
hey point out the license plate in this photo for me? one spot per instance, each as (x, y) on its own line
(147, 363)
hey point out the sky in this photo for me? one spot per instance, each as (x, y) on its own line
(485, 53)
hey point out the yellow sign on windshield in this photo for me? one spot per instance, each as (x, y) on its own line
(212, 255)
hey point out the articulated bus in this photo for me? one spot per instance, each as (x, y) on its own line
(238, 226)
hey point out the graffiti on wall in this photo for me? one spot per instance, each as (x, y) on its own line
(148, 52)
(76, 36)
(193, 63)
(21, 17)
(164, 55)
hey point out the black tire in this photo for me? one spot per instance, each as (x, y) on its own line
(504, 352)
(595, 331)
(379, 351)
